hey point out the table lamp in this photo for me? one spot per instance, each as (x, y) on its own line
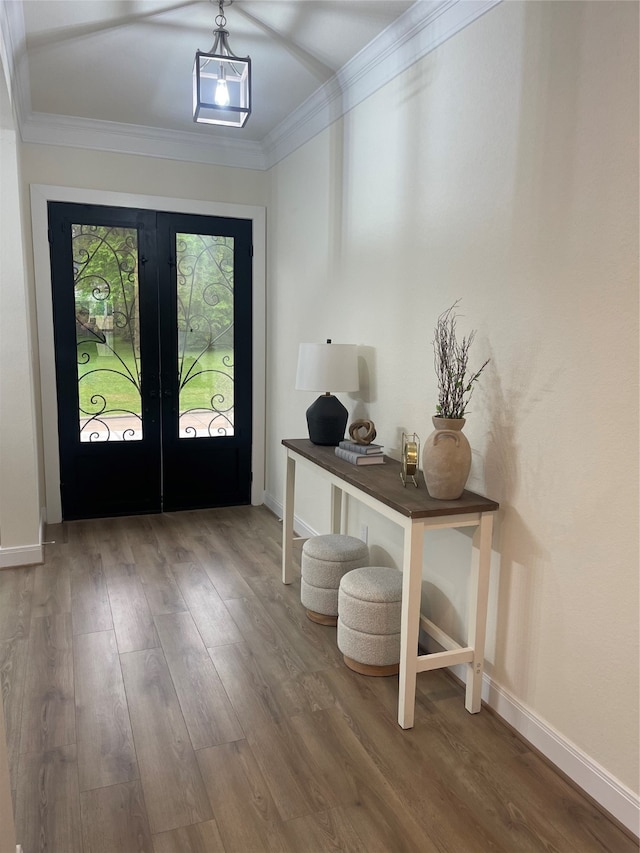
(322, 366)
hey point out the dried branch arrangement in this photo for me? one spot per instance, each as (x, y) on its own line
(451, 358)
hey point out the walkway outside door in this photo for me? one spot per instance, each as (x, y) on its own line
(152, 330)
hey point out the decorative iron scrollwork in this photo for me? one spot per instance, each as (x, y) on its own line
(105, 277)
(205, 285)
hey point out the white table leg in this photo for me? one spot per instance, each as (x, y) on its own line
(287, 521)
(478, 598)
(336, 509)
(410, 622)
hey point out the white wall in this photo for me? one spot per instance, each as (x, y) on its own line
(19, 495)
(8, 204)
(502, 170)
(129, 173)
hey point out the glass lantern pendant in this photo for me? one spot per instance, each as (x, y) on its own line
(221, 81)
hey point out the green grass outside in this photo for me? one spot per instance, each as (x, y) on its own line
(107, 376)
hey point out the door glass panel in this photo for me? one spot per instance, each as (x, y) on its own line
(105, 272)
(205, 335)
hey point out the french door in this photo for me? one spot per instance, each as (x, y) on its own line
(152, 331)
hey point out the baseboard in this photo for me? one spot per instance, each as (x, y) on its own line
(21, 555)
(597, 783)
(25, 555)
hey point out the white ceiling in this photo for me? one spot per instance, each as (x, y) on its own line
(130, 61)
(116, 75)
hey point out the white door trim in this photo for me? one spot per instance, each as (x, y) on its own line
(40, 195)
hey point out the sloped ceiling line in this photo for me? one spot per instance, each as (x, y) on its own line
(420, 30)
(413, 35)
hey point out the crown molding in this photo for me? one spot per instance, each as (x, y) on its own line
(48, 129)
(13, 55)
(420, 30)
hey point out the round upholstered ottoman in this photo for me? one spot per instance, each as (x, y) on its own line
(325, 559)
(369, 602)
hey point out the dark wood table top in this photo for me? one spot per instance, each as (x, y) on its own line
(383, 483)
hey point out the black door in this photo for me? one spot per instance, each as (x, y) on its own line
(152, 328)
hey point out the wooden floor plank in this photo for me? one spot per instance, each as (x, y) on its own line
(259, 699)
(173, 789)
(16, 595)
(209, 716)
(52, 584)
(114, 820)
(173, 534)
(245, 813)
(347, 775)
(13, 668)
(247, 553)
(579, 825)
(132, 619)
(287, 770)
(160, 588)
(227, 581)
(215, 623)
(316, 642)
(112, 546)
(48, 802)
(48, 711)
(426, 795)
(81, 536)
(106, 754)
(197, 838)
(90, 610)
(278, 657)
(330, 832)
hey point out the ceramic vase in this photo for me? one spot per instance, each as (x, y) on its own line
(446, 459)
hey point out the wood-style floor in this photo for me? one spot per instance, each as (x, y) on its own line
(165, 693)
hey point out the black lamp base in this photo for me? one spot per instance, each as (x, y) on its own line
(327, 420)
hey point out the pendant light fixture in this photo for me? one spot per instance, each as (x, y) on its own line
(221, 80)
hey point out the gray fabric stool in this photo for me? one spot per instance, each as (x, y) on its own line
(325, 559)
(369, 602)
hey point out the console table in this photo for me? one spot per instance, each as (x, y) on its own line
(380, 488)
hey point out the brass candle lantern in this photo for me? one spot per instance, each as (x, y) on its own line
(409, 458)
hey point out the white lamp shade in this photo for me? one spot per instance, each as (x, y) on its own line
(327, 367)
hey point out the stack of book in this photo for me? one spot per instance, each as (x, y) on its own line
(360, 454)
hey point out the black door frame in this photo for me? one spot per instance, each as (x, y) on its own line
(40, 196)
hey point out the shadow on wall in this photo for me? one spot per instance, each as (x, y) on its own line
(522, 556)
(551, 69)
(438, 607)
(368, 392)
(381, 557)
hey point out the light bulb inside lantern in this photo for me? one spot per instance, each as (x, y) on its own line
(222, 91)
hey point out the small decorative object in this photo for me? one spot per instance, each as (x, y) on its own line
(327, 366)
(410, 456)
(446, 459)
(362, 432)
